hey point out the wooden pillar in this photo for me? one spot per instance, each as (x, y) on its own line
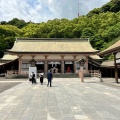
(62, 64)
(74, 67)
(74, 56)
(20, 64)
(46, 67)
(87, 64)
(46, 64)
(116, 70)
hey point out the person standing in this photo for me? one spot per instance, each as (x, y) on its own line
(41, 77)
(33, 78)
(30, 77)
(49, 77)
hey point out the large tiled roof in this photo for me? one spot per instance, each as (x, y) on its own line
(108, 63)
(53, 45)
(1, 64)
(95, 57)
(114, 48)
(8, 57)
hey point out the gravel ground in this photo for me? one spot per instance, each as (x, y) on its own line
(4, 79)
(4, 85)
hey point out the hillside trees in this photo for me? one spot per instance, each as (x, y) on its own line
(103, 26)
(100, 28)
(112, 6)
(7, 36)
(30, 31)
(18, 23)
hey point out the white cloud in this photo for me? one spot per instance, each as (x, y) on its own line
(43, 10)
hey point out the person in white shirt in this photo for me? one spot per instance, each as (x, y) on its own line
(41, 77)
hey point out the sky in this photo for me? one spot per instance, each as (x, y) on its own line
(44, 10)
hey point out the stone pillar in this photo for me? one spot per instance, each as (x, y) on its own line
(46, 64)
(81, 72)
(62, 64)
(20, 64)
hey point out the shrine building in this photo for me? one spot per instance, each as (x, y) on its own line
(58, 54)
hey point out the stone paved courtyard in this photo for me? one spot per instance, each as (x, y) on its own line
(68, 99)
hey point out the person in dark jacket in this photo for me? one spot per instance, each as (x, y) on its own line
(33, 78)
(49, 77)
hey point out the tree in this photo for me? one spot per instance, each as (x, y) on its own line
(3, 22)
(18, 23)
(87, 32)
(93, 12)
(7, 36)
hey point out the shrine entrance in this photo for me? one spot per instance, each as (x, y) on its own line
(54, 66)
(40, 67)
(69, 67)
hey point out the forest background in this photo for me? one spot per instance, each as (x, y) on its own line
(101, 26)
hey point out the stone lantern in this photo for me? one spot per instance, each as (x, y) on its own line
(81, 71)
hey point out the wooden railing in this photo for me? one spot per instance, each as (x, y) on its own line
(12, 71)
(16, 72)
(96, 73)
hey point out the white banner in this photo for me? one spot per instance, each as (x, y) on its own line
(33, 69)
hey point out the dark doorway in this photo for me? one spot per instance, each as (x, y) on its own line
(69, 68)
(55, 67)
(40, 67)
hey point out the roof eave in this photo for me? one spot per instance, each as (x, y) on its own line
(20, 52)
(110, 51)
(105, 66)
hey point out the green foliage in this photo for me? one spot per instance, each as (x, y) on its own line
(93, 12)
(30, 30)
(18, 23)
(3, 22)
(112, 6)
(7, 36)
(87, 32)
(106, 45)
